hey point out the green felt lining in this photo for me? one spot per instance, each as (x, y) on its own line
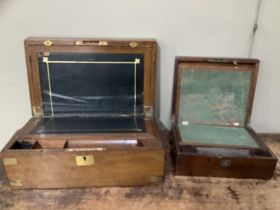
(205, 134)
(214, 96)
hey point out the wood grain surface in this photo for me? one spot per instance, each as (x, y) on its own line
(35, 47)
(176, 193)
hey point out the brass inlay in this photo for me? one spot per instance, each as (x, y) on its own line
(104, 43)
(135, 87)
(135, 63)
(78, 42)
(46, 60)
(89, 42)
(133, 44)
(47, 43)
(84, 160)
(10, 161)
(15, 182)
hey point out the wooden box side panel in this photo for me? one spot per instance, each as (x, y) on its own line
(109, 168)
(192, 164)
(151, 139)
(256, 168)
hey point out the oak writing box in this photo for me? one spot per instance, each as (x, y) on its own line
(93, 118)
(212, 105)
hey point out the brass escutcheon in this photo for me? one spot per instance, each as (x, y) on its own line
(84, 160)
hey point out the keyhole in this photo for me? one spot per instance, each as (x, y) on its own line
(85, 158)
(226, 163)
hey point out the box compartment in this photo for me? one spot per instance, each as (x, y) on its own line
(211, 133)
(93, 122)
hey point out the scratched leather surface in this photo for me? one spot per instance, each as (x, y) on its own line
(80, 125)
(92, 88)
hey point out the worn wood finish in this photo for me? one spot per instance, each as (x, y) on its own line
(259, 164)
(57, 169)
(177, 192)
(246, 65)
(36, 46)
(193, 164)
(201, 165)
(46, 167)
(51, 162)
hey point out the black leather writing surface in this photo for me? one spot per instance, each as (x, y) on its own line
(80, 125)
(92, 84)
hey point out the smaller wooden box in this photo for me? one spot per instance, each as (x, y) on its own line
(93, 120)
(212, 105)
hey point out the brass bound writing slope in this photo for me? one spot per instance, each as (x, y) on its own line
(93, 116)
(211, 135)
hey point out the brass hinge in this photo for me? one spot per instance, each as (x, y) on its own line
(148, 111)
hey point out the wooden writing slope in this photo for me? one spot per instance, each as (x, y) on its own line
(93, 116)
(213, 99)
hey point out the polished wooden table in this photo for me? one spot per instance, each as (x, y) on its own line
(176, 193)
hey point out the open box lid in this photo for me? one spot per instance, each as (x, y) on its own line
(214, 91)
(90, 77)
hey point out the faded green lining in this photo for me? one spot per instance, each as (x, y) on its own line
(210, 96)
(205, 134)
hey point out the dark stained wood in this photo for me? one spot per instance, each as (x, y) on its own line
(177, 192)
(261, 162)
(275, 136)
(201, 165)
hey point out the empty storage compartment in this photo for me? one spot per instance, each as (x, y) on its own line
(26, 144)
(102, 144)
(39, 144)
(224, 152)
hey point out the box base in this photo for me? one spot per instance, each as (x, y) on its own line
(84, 160)
(84, 169)
(222, 160)
(230, 167)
